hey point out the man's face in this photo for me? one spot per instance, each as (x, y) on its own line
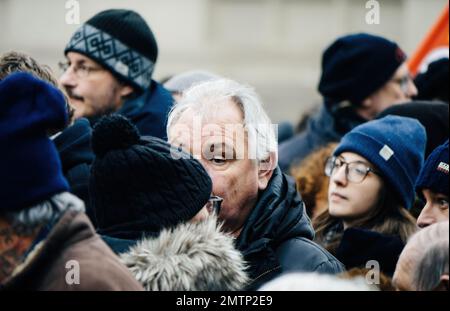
(92, 90)
(402, 279)
(399, 89)
(435, 209)
(224, 154)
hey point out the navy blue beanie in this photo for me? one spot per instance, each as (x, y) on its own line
(29, 162)
(355, 66)
(395, 146)
(434, 174)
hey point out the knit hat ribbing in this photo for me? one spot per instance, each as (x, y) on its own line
(433, 115)
(435, 172)
(29, 162)
(355, 66)
(395, 146)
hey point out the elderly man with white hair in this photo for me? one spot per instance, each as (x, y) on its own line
(223, 124)
(424, 263)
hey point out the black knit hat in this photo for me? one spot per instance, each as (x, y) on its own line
(355, 66)
(142, 184)
(121, 41)
(433, 83)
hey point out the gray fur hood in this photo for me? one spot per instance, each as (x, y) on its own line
(190, 257)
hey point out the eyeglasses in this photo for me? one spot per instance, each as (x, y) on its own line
(81, 71)
(403, 82)
(355, 172)
(214, 204)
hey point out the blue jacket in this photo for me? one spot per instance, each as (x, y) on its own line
(149, 111)
(277, 236)
(322, 129)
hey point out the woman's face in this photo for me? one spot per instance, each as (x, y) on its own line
(349, 200)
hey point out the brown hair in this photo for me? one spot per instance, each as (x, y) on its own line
(12, 62)
(390, 218)
(312, 183)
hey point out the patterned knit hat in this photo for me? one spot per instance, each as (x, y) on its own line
(122, 42)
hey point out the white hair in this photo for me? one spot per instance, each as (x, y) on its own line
(428, 249)
(207, 98)
(316, 282)
(42, 213)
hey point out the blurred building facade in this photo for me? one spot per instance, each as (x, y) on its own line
(273, 45)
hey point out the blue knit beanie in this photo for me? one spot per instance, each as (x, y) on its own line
(29, 162)
(395, 146)
(355, 66)
(434, 174)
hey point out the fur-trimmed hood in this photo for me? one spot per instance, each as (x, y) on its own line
(190, 257)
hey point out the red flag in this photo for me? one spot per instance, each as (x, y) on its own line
(435, 41)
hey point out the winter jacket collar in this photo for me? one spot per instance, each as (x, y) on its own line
(71, 228)
(149, 111)
(278, 216)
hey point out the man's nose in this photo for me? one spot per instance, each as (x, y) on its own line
(68, 78)
(412, 89)
(425, 218)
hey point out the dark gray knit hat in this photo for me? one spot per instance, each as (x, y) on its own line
(122, 42)
(142, 184)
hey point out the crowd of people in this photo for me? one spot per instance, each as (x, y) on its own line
(185, 184)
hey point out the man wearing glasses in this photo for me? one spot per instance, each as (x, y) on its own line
(362, 75)
(108, 68)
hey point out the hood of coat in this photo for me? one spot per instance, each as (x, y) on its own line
(189, 257)
(278, 216)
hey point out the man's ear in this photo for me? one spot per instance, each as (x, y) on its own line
(265, 170)
(443, 284)
(125, 90)
(366, 103)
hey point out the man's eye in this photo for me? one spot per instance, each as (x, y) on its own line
(443, 203)
(218, 161)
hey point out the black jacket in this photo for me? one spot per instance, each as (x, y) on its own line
(277, 236)
(359, 247)
(76, 156)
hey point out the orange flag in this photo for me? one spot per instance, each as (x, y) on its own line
(436, 40)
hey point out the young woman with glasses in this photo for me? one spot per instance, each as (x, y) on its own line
(372, 175)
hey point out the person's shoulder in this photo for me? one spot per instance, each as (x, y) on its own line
(302, 254)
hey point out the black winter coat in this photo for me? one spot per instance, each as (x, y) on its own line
(277, 236)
